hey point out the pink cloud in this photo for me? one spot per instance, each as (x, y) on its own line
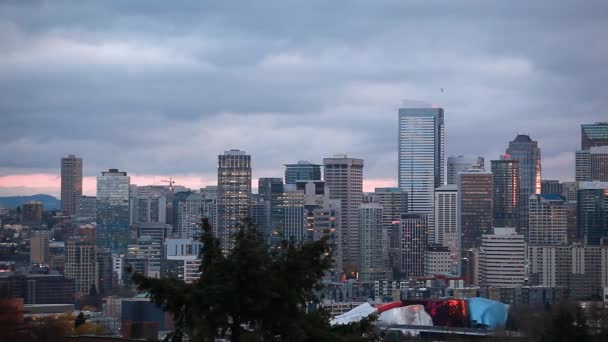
(50, 183)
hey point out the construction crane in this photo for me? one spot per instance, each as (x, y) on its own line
(170, 181)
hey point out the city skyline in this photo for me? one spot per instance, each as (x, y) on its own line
(271, 97)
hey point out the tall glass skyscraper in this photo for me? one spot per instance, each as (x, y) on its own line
(113, 231)
(234, 193)
(421, 158)
(302, 171)
(526, 150)
(506, 192)
(592, 212)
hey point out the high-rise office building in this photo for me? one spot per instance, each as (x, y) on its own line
(394, 203)
(234, 194)
(265, 186)
(151, 208)
(502, 259)
(31, 214)
(39, 247)
(322, 218)
(302, 171)
(421, 158)
(413, 235)
(592, 164)
(475, 192)
(113, 216)
(344, 177)
(526, 150)
(87, 209)
(71, 184)
(81, 265)
(569, 191)
(592, 212)
(506, 197)
(446, 224)
(551, 187)
(594, 135)
(439, 261)
(189, 217)
(287, 213)
(460, 163)
(548, 221)
(371, 257)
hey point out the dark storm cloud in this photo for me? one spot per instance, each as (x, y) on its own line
(151, 87)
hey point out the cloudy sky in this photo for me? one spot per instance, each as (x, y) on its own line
(159, 90)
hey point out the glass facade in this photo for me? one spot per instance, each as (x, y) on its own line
(594, 135)
(460, 163)
(421, 158)
(526, 150)
(506, 179)
(474, 207)
(113, 215)
(592, 212)
(302, 171)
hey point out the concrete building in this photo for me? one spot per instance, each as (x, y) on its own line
(461, 163)
(234, 194)
(38, 288)
(344, 177)
(39, 247)
(421, 158)
(505, 198)
(81, 265)
(439, 261)
(302, 171)
(569, 191)
(371, 257)
(71, 184)
(526, 150)
(548, 221)
(414, 240)
(475, 194)
(113, 211)
(446, 223)
(592, 212)
(502, 260)
(181, 259)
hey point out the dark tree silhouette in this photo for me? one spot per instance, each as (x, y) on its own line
(252, 293)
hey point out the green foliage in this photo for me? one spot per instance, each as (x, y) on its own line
(253, 293)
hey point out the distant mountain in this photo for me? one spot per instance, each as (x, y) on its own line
(49, 202)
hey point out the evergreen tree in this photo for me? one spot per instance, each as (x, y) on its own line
(252, 293)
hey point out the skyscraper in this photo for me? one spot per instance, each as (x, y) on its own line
(113, 231)
(413, 236)
(71, 184)
(371, 258)
(446, 223)
(474, 206)
(344, 177)
(234, 193)
(548, 223)
(460, 163)
(506, 197)
(421, 158)
(592, 211)
(592, 164)
(287, 213)
(263, 201)
(526, 150)
(81, 264)
(302, 171)
(31, 214)
(594, 135)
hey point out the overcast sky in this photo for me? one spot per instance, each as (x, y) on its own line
(159, 90)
